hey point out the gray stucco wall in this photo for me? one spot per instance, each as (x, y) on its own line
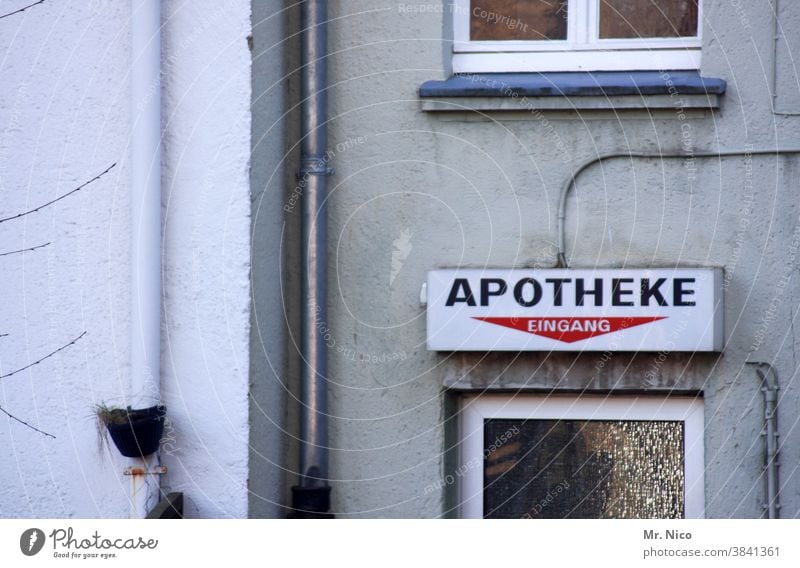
(415, 191)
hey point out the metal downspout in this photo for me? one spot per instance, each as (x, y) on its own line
(311, 497)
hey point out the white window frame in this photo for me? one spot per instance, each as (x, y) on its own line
(582, 51)
(477, 408)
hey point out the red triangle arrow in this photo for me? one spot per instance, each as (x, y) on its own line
(570, 330)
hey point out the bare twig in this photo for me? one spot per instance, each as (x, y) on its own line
(73, 342)
(21, 9)
(7, 413)
(80, 187)
(25, 250)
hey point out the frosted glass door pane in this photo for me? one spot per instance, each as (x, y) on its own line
(583, 469)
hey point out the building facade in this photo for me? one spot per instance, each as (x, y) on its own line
(507, 138)
(679, 154)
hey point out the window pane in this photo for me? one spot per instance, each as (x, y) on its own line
(518, 19)
(583, 469)
(648, 18)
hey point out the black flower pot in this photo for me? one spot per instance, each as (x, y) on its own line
(141, 435)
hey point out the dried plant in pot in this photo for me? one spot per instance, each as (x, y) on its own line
(135, 433)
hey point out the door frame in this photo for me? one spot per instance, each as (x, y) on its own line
(475, 409)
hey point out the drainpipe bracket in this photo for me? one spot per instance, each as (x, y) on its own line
(158, 470)
(313, 166)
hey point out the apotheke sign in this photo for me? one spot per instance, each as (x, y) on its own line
(575, 310)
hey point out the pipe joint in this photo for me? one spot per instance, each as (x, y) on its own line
(313, 166)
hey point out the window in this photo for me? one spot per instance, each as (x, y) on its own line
(576, 35)
(593, 456)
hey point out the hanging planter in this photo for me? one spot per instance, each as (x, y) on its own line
(135, 433)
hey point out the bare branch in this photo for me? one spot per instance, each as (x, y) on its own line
(80, 187)
(73, 342)
(21, 9)
(7, 413)
(25, 250)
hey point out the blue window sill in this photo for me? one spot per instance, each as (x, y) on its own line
(577, 84)
(600, 90)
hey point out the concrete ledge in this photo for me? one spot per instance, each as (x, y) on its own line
(581, 84)
(676, 373)
(572, 91)
(569, 103)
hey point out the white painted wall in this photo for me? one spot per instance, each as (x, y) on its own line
(64, 117)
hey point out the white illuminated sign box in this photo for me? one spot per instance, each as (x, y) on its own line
(654, 309)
